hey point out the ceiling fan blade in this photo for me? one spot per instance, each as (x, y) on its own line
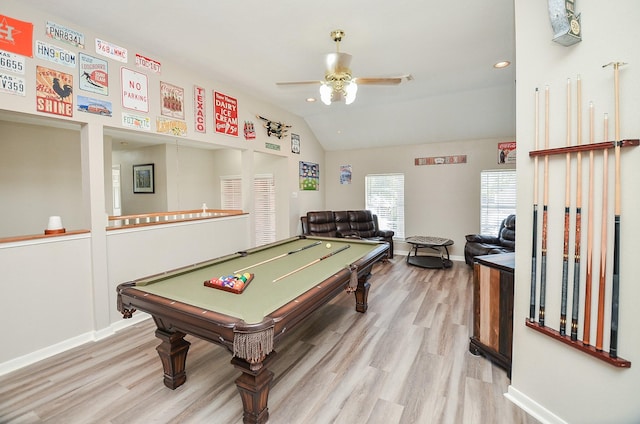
(315, 82)
(338, 63)
(382, 80)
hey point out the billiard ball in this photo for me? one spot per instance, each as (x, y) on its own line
(328, 245)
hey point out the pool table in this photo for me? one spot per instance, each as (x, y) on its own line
(291, 279)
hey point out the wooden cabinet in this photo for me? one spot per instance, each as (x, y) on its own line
(493, 308)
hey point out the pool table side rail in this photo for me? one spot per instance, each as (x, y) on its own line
(173, 315)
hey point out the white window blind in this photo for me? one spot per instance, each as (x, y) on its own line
(231, 192)
(497, 198)
(385, 197)
(264, 215)
(265, 209)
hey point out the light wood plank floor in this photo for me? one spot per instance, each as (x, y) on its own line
(405, 361)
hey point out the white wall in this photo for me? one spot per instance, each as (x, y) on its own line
(40, 176)
(559, 383)
(440, 200)
(46, 298)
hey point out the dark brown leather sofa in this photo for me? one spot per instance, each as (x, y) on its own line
(504, 242)
(361, 224)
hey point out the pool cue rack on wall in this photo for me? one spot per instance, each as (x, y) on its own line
(555, 334)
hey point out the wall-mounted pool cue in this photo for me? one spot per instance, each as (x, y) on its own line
(545, 203)
(534, 249)
(278, 257)
(575, 305)
(615, 290)
(567, 205)
(312, 263)
(603, 239)
(586, 333)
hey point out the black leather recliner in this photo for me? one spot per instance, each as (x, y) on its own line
(505, 242)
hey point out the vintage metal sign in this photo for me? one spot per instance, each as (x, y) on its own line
(16, 36)
(272, 146)
(94, 75)
(62, 33)
(226, 114)
(54, 92)
(199, 107)
(171, 100)
(12, 62)
(55, 54)
(149, 64)
(95, 106)
(135, 89)
(171, 126)
(507, 152)
(12, 84)
(441, 160)
(138, 122)
(112, 51)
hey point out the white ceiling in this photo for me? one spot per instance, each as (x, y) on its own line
(449, 48)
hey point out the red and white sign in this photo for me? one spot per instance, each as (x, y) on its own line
(146, 63)
(226, 114)
(199, 107)
(54, 92)
(135, 90)
(111, 50)
(507, 152)
(16, 36)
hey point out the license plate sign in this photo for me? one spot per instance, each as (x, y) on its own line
(12, 84)
(12, 62)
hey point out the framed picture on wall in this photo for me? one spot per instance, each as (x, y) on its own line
(143, 178)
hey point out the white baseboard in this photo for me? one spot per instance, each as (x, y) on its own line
(533, 408)
(49, 351)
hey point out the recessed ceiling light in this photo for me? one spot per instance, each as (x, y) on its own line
(502, 64)
(311, 99)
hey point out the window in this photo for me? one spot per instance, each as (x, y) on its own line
(385, 198)
(264, 203)
(497, 198)
(231, 190)
(265, 209)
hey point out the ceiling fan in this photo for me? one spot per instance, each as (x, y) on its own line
(339, 83)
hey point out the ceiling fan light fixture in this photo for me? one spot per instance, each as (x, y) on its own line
(351, 89)
(325, 93)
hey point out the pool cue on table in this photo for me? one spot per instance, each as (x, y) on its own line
(576, 257)
(603, 241)
(534, 249)
(615, 290)
(312, 263)
(278, 257)
(586, 332)
(567, 205)
(545, 203)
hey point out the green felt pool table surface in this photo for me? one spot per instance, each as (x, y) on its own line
(262, 296)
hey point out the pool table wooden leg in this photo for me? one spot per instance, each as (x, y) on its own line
(254, 389)
(173, 354)
(362, 293)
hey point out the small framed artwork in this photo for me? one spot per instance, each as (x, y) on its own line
(143, 178)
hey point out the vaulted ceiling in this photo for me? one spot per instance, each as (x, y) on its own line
(448, 47)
